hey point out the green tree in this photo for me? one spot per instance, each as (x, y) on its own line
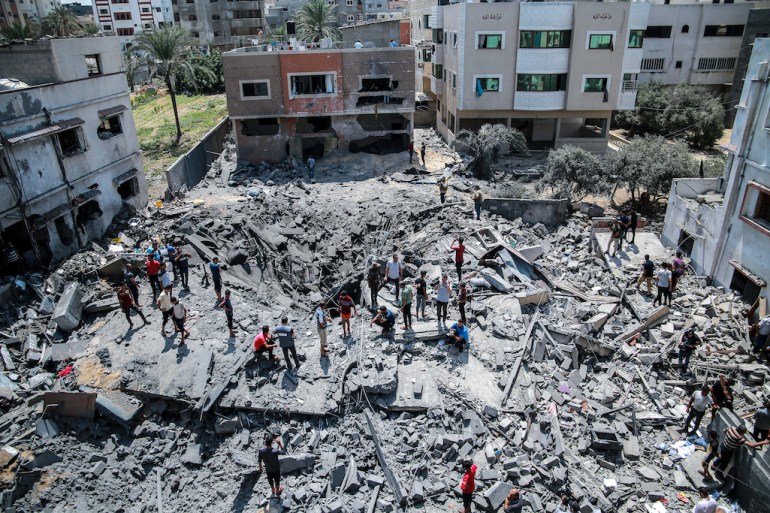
(694, 114)
(208, 75)
(316, 20)
(173, 55)
(651, 100)
(17, 31)
(90, 29)
(61, 22)
(487, 140)
(650, 164)
(714, 167)
(574, 173)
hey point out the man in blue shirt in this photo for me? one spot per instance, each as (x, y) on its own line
(459, 334)
(216, 276)
(386, 319)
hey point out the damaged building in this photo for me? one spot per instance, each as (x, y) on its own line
(306, 102)
(713, 219)
(69, 156)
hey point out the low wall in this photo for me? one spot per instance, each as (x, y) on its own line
(549, 212)
(191, 167)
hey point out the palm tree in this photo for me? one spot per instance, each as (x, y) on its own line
(172, 54)
(18, 30)
(487, 140)
(61, 22)
(316, 20)
(90, 29)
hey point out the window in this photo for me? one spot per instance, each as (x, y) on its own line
(351, 18)
(488, 41)
(762, 212)
(438, 36)
(746, 287)
(426, 54)
(261, 126)
(312, 84)
(176, 16)
(678, 65)
(635, 38)
(653, 64)
(244, 31)
(63, 230)
(600, 42)
(595, 84)
(157, 9)
(125, 32)
(487, 85)
(104, 11)
(716, 63)
(438, 71)
(529, 82)
(106, 27)
(360, 17)
(349, 3)
(69, 142)
(723, 31)
(255, 90)
(545, 39)
(148, 25)
(93, 64)
(658, 31)
(119, 1)
(685, 29)
(217, 33)
(192, 17)
(122, 16)
(195, 34)
(145, 9)
(426, 21)
(246, 13)
(89, 211)
(215, 17)
(129, 188)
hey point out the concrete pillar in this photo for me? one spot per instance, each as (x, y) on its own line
(556, 129)
(605, 127)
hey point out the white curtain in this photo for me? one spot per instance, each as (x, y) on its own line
(329, 83)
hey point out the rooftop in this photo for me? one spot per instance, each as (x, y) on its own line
(339, 47)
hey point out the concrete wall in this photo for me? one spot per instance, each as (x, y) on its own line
(220, 32)
(191, 167)
(377, 34)
(549, 212)
(757, 25)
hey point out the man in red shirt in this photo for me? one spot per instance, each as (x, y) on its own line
(468, 485)
(346, 304)
(153, 268)
(459, 256)
(127, 303)
(262, 343)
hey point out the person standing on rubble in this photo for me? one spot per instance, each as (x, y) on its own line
(614, 244)
(443, 187)
(462, 300)
(706, 503)
(689, 342)
(268, 460)
(165, 277)
(373, 280)
(700, 402)
(227, 305)
(459, 256)
(285, 334)
(154, 251)
(410, 148)
(394, 272)
(648, 273)
(216, 277)
(634, 222)
(762, 422)
(165, 307)
(347, 308)
(406, 305)
(126, 301)
(664, 286)
(762, 331)
(311, 166)
(443, 293)
(421, 294)
(677, 270)
(183, 264)
(422, 153)
(171, 252)
(734, 438)
(478, 199)
(180, 318)
(322, 324)
(133, 286)
(625, 223)
(468, 484)
(153, 268)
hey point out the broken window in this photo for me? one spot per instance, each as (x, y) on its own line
(741, 283)
(686, 242)
(762, 211)
(312, 84)
(69, 142)
(110, 127)
(314, 124)
(373, 100)
(262, 126)
(257, 89)
(375, 84)
(63, 230)
(89, 211)
(93, 64)
(129, 188)
(487, 84)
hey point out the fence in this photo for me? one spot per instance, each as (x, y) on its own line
(190, 168)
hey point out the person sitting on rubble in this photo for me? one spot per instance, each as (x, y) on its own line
(689, 342)
(373, 280)
(126, 301)
(722, 393)
(385, 319)
(263, 342)
(180, 317)
(514, 503)
(268, 460)
(458, 334)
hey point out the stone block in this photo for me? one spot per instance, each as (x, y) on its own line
(496, 494)
(292, 462)
(69, 308)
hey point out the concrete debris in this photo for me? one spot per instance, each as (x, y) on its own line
(569, 382)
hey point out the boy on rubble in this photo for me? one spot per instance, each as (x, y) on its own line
(268, 460)
(347, 307)
(468, 484)
(126, 300)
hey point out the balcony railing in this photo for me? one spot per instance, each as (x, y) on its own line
(629, 86)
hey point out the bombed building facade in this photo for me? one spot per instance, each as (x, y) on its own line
(306, 102)
(70, 157)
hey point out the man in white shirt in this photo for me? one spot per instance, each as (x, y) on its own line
(664, 285)
(706, 503)
(180, 316)
(322, 323)
(700, 402)
(763, 333)
(358, 44)
(394, 271)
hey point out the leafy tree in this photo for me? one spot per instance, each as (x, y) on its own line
(61, 22)
(90, 29)
(487, 140)
(574, 173)
(18, 30)
(208, 75)
(316, 20)
(173, 55)
(714, 166)
(695, 115)
(651, 163)
(651, 100)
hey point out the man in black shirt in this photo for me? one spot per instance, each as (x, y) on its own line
(648, 273)
(634, 222)
(421, 293)
(268, 458)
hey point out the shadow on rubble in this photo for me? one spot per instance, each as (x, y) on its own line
(246, 490)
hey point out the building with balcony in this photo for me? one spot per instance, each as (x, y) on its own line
(723, 223)
(69, 156)
(556, 71)
(306, 102)
(21, 11)
(694, 43)
(757, 25)
(222, 23)
(127, 18)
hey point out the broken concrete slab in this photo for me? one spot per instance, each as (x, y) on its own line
(69, 308)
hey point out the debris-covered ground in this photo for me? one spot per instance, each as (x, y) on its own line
(570, 387)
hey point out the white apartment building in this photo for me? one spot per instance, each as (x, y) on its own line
(723, 224)
(22, 10)
(696, 43)
(126, 18)
(556, 71)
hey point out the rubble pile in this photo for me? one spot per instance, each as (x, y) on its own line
(570, 386)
